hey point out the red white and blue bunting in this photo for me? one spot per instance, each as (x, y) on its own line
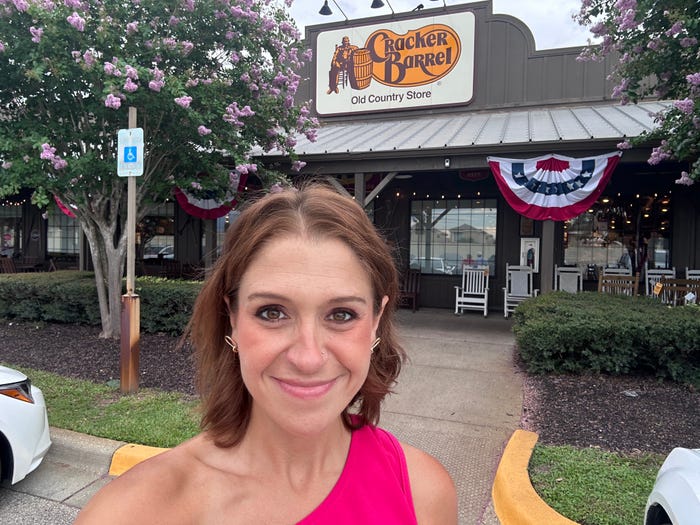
(206, 208)
(553, 187)
(67, 209)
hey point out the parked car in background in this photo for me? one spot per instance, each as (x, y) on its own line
(675, 498)
(431, 265)
(24, 426)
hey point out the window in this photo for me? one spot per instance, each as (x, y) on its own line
(63, 235)
(448, 233)
(10, 221)
(156, 233)
(626, 232)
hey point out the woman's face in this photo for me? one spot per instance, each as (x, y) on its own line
(304, 326)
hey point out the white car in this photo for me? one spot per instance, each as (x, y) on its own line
(24, 426)
(675, 498)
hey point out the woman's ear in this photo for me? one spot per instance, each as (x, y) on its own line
(230, 312)
(385, 300)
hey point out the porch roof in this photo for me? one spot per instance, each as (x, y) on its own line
(477, 130)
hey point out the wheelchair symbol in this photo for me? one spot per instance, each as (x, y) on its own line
(130, 154)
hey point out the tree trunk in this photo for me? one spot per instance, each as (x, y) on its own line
(108, 261)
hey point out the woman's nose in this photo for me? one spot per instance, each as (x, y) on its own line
(306, 352)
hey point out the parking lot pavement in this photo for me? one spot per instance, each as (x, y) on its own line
(459, 398)
(73, 470)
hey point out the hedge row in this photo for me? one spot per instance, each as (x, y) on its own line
(71, 297)
(560, 332)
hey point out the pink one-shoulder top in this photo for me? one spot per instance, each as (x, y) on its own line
(373, 488)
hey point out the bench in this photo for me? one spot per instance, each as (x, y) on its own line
(619, 284)
(677, 292)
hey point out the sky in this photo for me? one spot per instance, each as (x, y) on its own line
(549, 20)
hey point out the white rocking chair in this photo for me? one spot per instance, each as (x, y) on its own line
(692, 274)
(474, 292)
(651, 277)
(518, 287)
(568, 279)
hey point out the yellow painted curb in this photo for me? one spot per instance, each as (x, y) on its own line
(129, 455)
(514, 499)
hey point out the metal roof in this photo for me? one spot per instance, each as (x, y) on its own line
(611, 121)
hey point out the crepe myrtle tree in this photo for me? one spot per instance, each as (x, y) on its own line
(659, 56)
(212, 80)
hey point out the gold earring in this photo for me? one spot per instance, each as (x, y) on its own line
(375, 344)
(231, 343)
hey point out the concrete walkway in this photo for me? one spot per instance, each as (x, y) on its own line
(459, 399)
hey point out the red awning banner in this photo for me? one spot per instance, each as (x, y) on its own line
(553, 187)
(65, 209)
(206, 208)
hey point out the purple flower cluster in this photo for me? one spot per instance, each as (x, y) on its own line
(158, 80)
(76, 21)
(234, 113)
(297, 165)
(130, 86)
(659, 154)
(49, 153)
(113, 102)
(685, 106)
(685, 179)
(37, 33)
(244, 169)
(184, 101)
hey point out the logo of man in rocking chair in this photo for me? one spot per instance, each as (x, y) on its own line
(340, 63)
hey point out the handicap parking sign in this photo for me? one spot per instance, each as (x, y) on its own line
(130, 156)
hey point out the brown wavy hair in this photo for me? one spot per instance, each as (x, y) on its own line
(318, 212)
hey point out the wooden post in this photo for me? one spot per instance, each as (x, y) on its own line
(130, 312)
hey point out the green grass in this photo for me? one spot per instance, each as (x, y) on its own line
(591, 486)
(149, 417)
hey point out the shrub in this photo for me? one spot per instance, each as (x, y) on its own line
(71, 297)
(560, 332)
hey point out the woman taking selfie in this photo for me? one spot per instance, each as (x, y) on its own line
(296, 348)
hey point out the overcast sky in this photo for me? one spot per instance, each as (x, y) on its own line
(549, 20)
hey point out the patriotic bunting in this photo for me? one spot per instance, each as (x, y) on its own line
(208, 208)
(68, 210)
(553, 187)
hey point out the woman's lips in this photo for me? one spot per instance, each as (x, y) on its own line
(305, 389)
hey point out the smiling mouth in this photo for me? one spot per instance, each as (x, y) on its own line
(302, 390)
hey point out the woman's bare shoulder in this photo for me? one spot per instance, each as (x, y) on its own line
(146, 492)
(432, 488)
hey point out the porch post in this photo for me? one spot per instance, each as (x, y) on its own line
(547, 257)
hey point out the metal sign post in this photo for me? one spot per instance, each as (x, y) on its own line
(130, 164)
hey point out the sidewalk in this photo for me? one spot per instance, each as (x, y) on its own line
(459, 399)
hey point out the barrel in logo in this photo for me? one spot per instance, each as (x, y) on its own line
(361, 72)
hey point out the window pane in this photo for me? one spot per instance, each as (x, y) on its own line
(156, 233)
(448, 233)
(628, 232)
(10, 220)
(63, 235)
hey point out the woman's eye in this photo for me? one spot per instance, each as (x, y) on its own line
(271, 313)
(342, 316)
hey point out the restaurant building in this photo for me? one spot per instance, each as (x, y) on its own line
(466, 145)
(445, 123)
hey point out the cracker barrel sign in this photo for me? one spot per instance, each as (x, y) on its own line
(409, 64)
